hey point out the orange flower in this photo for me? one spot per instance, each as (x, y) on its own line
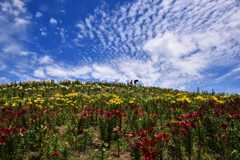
(187, 124)
(55, 154)
(41, 108)
(63, 145)
(176, 121)
(155, 115)
(76, 107)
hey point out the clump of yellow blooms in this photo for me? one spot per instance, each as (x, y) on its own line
(115, 99)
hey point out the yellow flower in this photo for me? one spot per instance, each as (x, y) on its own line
(130, 101)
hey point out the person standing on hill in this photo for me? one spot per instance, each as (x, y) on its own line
(131, 82)
(135, 81)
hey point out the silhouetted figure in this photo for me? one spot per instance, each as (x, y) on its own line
(135, 81)
(131, 82)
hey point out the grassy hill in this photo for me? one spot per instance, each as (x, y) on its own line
(99, 120)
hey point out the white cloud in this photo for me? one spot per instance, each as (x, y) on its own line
(38, 14)
(46, 60)
(178, 42)
(12, 48)
(24, 53)
(43, 33)
(4, 80)
(104, 73)
(53, 21)
(233, 71)
(21, 21)
(238, 77)
(40, 73)
(14, 8)
(62, 31)
(19, 4)
(61, 72)
(3, 67)
(6, 6)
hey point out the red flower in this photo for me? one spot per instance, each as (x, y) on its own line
(2, 139)
(14, 130)
(224, 138)
(22, 130)
(152, 143)
(48, 125)
(5, 131)
(19, 125)
(116, 129)
(201, 144)
(224, 126)
(160, 137)
(216, 137)
(10, 119)
(55, 154)
(165, 136)
(155, 115)
(183, 132)
(181, 117)
(104, 102)
(176, 121)
(169, 125)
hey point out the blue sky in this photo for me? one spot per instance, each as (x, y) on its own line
(171, 44)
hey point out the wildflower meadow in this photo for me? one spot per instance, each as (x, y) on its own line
(103, 121)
